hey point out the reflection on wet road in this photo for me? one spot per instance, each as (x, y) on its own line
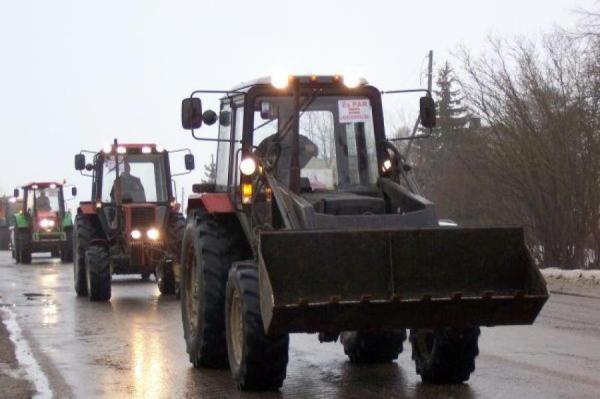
(133, 347)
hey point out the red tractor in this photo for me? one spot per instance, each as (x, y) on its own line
(132, 223)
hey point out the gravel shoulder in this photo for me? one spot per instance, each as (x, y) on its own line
(12, 382)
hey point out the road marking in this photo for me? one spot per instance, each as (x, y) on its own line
(24, 356)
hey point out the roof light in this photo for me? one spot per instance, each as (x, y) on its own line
(280, 80)
(159, 148)
(12, 200)
(52, 185)
(146, 150)
(98, 204)
(351, 80)
(107, 149)
(35, 186)
(121, 150)
(248, 166)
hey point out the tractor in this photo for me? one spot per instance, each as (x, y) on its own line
(132, 224)
(315, 225)
(43, 224)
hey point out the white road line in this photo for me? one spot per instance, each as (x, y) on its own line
(32, 369)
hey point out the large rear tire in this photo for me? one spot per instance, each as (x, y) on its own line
(82, 235)
(209, 248)
(24, 247)
(98, 273)
(445, 356)
(257, 361)
(373, 347)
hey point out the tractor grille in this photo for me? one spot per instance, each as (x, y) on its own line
(142, 217)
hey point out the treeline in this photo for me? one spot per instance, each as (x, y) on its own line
(518, 142)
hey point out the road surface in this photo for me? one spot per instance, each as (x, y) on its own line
(133, 347)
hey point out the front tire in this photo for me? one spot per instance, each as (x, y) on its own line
(257, 361)
(24, 247)
(84, 231)
(98, 273)
(373, 347)
(445, 356)
(208, 250)
(66, 253)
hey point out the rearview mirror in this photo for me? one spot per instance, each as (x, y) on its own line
(190, 163)
(16, 193)
(74, 191)
(427, 112)
(191, 113)
(79, 162)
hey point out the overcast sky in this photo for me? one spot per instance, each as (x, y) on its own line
(75, 74)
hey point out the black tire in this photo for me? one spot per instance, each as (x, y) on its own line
(55, 253)
(17, 247)
(98, 274)
(373, 347)
(257, 361)
(66, 252)
(82, 235)
(445, 356)
(146, 276)
(24, 247)
(209, 248)
(165, 278)
(168, 282)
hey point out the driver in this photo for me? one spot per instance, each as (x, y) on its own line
(131, 186)
(42, 203)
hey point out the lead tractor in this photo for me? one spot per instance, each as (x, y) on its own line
(132, 224)
(43, 224)
(314, 225)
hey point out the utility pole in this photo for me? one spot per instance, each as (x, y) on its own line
(429, 87)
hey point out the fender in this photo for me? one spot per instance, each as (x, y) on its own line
(211, 202)
(87, 208)
(21, 221)
(67, 221)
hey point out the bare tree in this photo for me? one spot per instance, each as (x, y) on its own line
(538, 157)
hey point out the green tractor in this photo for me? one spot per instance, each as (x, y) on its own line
(43, 224)
(315, 225)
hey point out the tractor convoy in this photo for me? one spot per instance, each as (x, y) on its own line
(312, 224)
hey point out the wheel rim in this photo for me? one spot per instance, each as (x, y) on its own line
(236, 329)
(192, 297)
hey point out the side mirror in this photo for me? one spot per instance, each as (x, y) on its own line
(427, 112)
(79, 162)
(209, 117)
(191, 113)
(16, 193)
(266, 110)
(190, 163)
(74, 191)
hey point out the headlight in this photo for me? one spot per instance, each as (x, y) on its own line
(136, 234)
(387, 164)
(153, 234)
(46, 223)
(248, 166)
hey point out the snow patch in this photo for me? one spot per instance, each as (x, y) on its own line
(30, 366)
(576, 274)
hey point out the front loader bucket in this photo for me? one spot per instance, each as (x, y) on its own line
(411, 278)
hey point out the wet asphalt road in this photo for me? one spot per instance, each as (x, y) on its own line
(133, 347)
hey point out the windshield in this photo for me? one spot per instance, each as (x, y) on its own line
(337, 143)
(142, 178)
(44, 200)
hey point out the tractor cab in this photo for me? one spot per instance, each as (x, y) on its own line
(45, 221)
(132, 217)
